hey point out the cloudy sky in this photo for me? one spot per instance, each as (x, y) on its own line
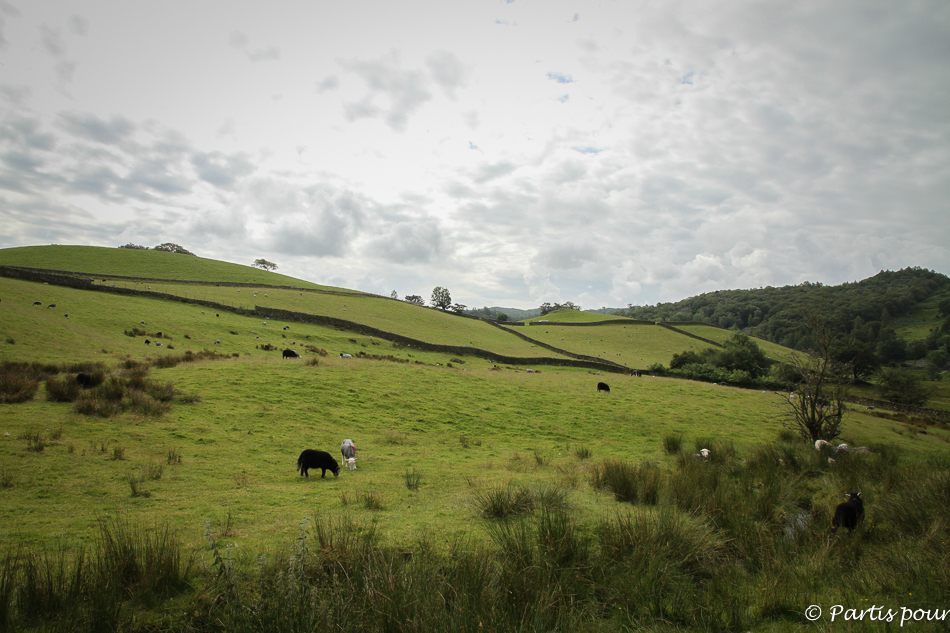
(602, 152)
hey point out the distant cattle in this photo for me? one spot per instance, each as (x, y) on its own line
(602, 386)
(849, 513)
(37, 303)
(289, 353)
(84, 380)
(310, 458)
(52, 305)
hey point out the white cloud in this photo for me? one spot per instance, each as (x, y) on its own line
(701, 146)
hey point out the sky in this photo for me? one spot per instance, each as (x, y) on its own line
(608, 153)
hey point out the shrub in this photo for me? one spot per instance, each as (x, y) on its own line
(583, 452)
(15, 389)
(62, 390)
(90, 402)
(504, 501)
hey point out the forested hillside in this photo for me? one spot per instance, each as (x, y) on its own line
(866, 312)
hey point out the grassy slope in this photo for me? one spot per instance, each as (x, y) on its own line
(139, 263)
(719, 335)
(239, 444)
(398, 317)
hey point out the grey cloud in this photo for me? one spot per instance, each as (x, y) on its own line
(319, 234)
(331, 82)
(26, 132)
(158, 174)
(406, 89)
(91, 127)
(448, 71)
(238, 40)
(271, 53)
(52, 41)
(409, 243)
(16, 95)
(78, 24)
(567, 256)
(360, 110)
(221, 170)
(64, 71)
(6, 10)
(97, 180)
(488, 172)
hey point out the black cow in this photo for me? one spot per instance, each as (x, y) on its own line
(849, 513)
(37, 303)
(52, 305)
(317, 459)
(602, 386)
(289, 353)
(84, 380)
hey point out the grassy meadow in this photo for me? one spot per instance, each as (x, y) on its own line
(486, 497)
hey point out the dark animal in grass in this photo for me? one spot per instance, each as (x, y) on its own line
(84, 380)
(317, 459)
(602, 386)
(849, 513)
(148, 342)
(52, 305)
(289, 353)
(37, 303)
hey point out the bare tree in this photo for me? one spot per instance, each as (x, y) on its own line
(817, 385)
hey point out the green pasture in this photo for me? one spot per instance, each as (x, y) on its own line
(97, 322)
(574, 316)
(397, 317)
(105, 262)
(720, 335)
(460, 429)
(634, 345)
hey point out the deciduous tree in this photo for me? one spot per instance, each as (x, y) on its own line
(263, 264)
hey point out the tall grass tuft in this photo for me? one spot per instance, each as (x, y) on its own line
(673, 443)
(413, 479)
(628, 483)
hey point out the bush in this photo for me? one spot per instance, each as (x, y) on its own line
(15, 388)
(62, 390)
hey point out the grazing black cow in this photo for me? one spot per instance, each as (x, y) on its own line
(84, 380)
(849, 513)
(317, 459)
(37, 303)
(52, 305)
(602, 386)
(289, 353)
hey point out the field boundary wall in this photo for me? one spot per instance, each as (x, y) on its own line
(85, 283)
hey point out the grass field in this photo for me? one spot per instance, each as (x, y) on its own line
(439, 438)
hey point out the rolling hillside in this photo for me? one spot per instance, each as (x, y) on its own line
(198, 439)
